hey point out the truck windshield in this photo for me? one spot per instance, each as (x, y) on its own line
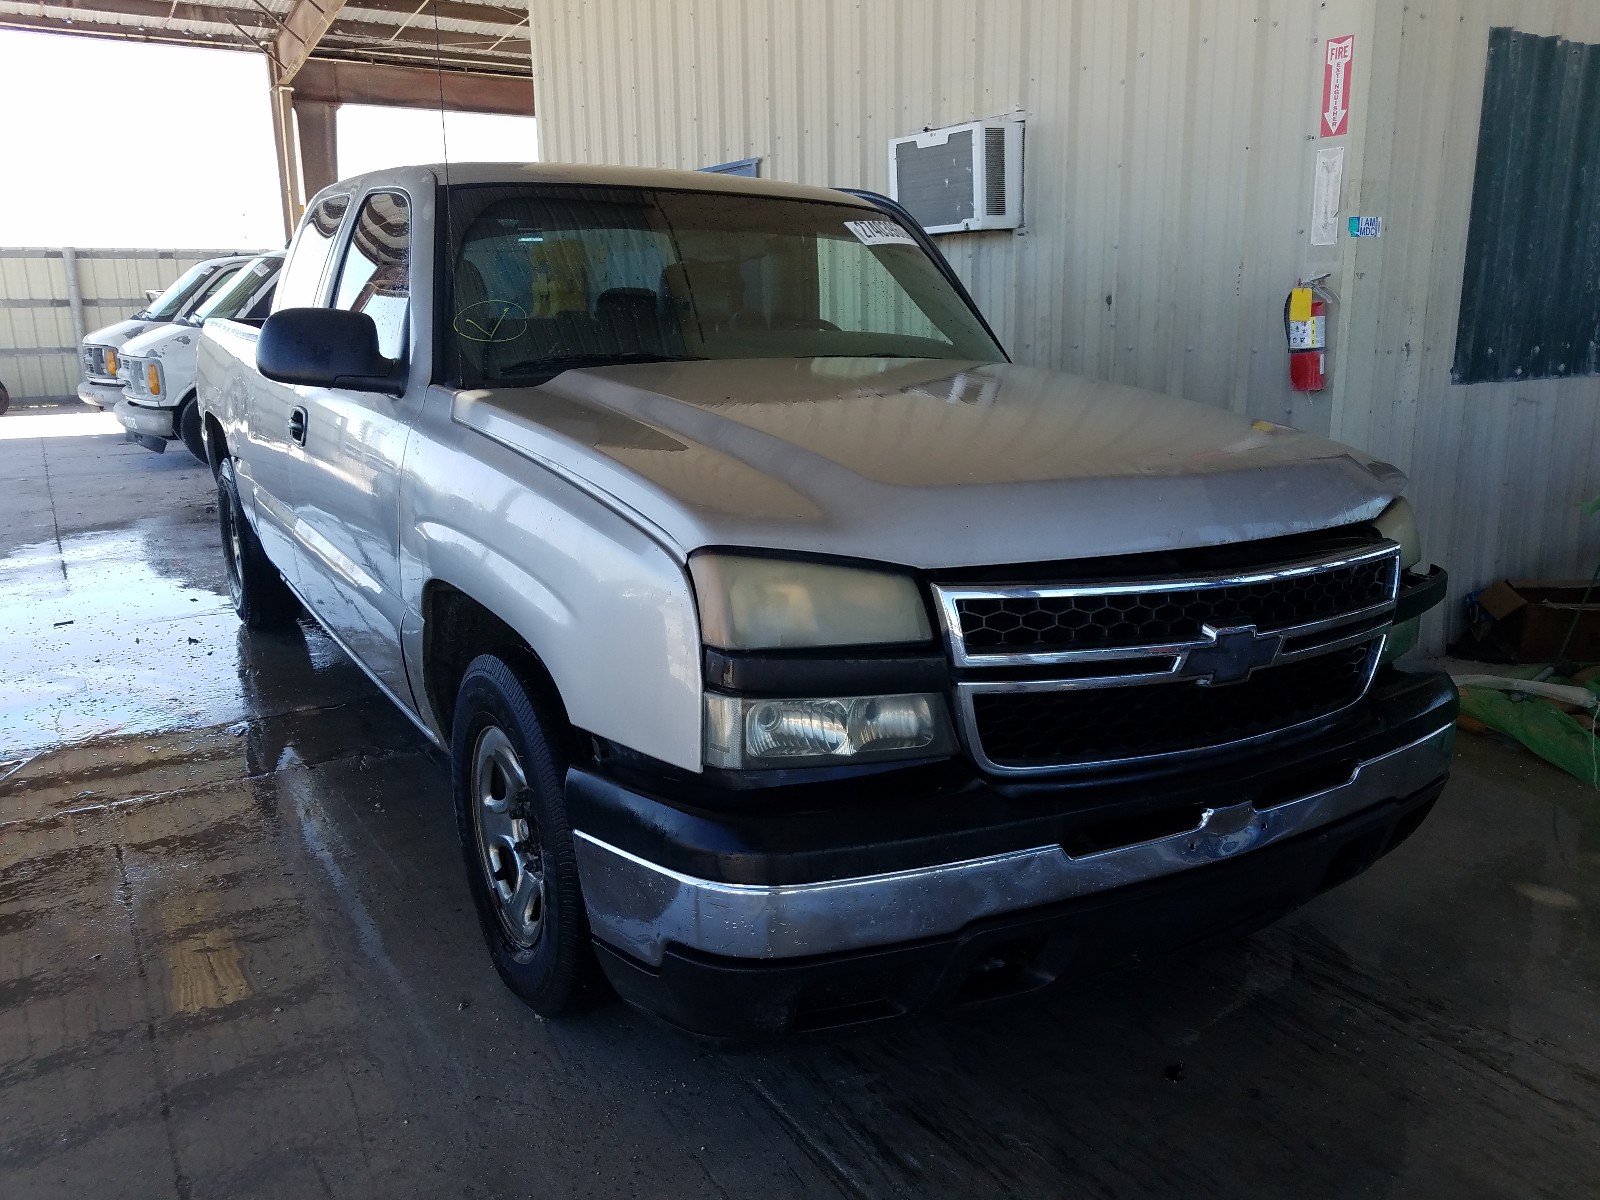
(176, 298)
(550, 278)
(232, 299)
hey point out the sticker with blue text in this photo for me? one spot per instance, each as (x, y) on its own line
(1366, 226)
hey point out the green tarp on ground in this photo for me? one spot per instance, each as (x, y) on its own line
(1553, 735)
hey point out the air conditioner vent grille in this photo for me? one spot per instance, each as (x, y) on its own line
(994, 154)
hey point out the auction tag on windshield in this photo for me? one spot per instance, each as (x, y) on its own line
(880, 233)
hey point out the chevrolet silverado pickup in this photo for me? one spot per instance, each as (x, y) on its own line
(801, 661)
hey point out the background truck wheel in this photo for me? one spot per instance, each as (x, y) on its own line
(259, 594)
(189, 430)
(5, 399)
(508, 774)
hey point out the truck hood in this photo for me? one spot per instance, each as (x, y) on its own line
(157, 341)
(116, 336)
(925, 463)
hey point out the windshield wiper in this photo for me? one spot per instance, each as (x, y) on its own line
(568, 362)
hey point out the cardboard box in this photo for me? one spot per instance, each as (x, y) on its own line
(1533, 616)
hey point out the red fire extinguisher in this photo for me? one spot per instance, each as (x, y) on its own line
(1305, 326)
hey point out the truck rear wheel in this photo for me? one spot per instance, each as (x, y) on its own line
(259, 594)
(508, 775)
(189, 430)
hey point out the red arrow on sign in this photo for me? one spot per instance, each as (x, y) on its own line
(1336, 86)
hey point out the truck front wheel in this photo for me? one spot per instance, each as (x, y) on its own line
(259, 594)
(508, 775)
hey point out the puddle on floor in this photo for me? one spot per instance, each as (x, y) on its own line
(130, 631)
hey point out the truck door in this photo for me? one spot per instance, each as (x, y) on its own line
(267, 456)
(346, 495)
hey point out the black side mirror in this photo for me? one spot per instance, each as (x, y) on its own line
(326, 347)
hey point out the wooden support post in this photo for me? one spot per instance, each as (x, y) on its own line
(319, 144)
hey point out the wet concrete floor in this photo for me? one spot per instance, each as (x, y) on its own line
(237, 958)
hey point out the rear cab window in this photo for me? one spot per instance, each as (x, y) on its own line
(375, 277)
(300, 285)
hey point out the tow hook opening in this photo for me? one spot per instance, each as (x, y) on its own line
(1007, 969)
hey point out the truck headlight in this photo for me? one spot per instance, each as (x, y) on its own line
(742, 732)
(111, 362)
(769, 603)
(1398, 523)
(152, 377)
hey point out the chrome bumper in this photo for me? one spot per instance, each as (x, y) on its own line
(101, 395)
(153, 422)
(640, 907)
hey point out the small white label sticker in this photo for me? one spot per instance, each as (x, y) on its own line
(880, 233)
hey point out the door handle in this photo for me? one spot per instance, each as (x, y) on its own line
(297, 426)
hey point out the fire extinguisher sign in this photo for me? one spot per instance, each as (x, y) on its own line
(1336, 69)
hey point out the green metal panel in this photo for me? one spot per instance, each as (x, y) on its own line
(1530, 295)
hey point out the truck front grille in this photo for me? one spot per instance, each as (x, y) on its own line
(1054, 677)
(1070, 620)
(1045, 729)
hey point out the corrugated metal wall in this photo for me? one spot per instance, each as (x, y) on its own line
(1170, 154)
(1499, 470)
(1168, 168)
(38, 353)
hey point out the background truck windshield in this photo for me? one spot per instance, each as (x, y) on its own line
(173, 301)
(230, 301)
(550, 278)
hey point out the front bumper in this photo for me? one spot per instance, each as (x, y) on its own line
(684, 902)
(148, 422)
(101, 394)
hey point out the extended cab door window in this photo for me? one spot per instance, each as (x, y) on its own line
(300, 286)
(375, 278)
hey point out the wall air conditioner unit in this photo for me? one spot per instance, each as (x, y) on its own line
(960, 177)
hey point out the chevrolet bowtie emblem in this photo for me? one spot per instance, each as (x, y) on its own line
(1232, 655)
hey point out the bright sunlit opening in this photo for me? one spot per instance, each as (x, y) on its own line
(371, 139)
(124, 144)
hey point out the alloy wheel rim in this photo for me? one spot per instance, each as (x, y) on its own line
(508, 842)
(235, 550)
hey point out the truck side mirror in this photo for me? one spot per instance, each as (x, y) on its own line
(152, 294)
(326, 347)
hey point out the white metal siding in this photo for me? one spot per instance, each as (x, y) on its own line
(1499, 471)
(38, 354)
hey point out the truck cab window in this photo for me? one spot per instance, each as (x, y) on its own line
(375, 277)
(298, 287)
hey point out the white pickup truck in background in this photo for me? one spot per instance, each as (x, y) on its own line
(101, 350)
(158, 366)
(802, 661)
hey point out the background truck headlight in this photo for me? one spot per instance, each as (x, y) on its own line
(111, 362)
(742, 732)
(1398, 523)
(770, 603)
(152, 377)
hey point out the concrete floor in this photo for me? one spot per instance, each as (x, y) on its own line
(237, 958)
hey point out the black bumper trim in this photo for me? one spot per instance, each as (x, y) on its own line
(740, 1000)
(925, 816)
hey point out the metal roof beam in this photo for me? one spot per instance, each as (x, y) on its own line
(448, 10)
(335, 82)
(303, 27)
(230, 38)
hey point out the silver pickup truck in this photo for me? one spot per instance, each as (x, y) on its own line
(801, 661)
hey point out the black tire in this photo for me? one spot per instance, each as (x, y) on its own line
(188, 423)
(508, 770)
(5, 399)
(259, 594)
